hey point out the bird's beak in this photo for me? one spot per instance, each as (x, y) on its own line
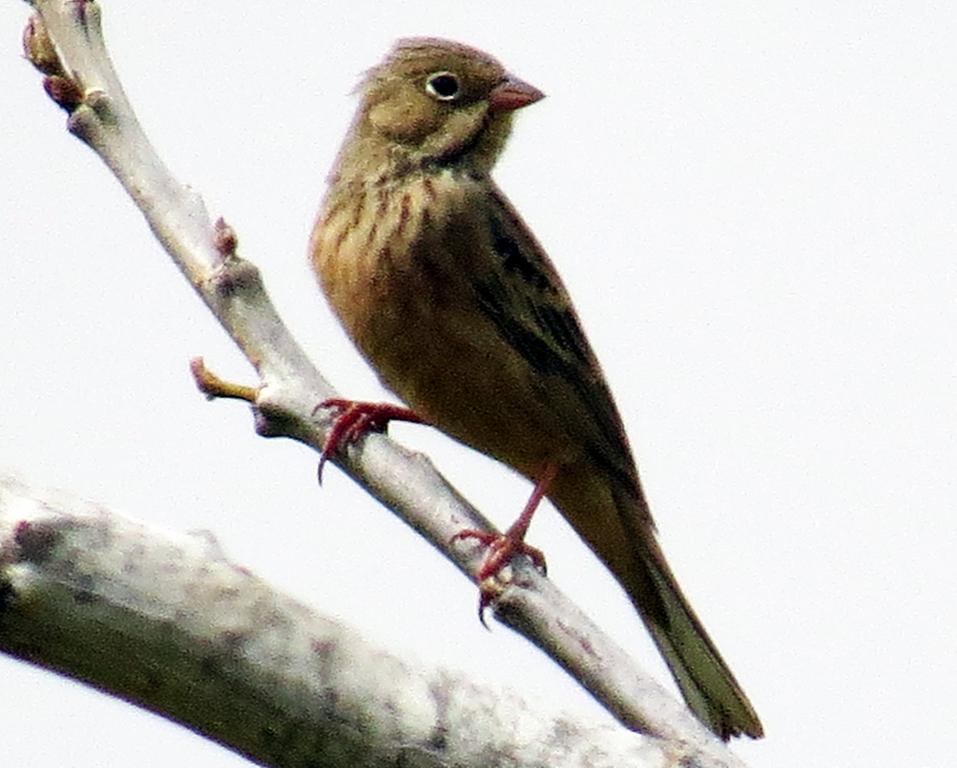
(511, 94)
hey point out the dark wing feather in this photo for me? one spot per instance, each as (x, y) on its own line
(527, 303)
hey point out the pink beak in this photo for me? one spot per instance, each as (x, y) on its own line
(511, 94)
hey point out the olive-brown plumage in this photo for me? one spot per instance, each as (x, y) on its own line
(452, 300)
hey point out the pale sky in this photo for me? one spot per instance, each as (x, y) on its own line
(754, 208)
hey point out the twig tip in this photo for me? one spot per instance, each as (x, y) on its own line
(225, 238)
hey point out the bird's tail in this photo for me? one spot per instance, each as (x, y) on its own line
(706, 682)
(617, 525)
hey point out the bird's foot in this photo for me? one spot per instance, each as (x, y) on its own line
(500, 549)
(356, 418)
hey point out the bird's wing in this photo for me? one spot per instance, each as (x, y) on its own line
(523, 296)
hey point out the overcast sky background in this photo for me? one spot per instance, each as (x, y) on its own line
(754, 208)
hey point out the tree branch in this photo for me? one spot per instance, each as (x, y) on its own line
(66, 43)
(169, 623)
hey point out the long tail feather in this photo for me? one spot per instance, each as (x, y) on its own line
(706, 682)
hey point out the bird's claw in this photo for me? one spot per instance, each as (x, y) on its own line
(354, 419)
(500, 550)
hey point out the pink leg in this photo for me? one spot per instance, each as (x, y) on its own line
(503, 546)
(355, 419)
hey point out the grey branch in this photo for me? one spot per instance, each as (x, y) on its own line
(169, 623)
(66, 43)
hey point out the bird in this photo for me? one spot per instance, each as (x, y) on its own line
(449, 296)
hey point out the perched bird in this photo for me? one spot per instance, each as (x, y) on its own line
(450, 297)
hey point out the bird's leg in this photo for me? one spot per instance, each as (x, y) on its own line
(354, 419)
(503, 546)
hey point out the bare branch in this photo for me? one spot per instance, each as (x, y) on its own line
(169, 623)
(82, 81)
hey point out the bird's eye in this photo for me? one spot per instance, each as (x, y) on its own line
(443, 86)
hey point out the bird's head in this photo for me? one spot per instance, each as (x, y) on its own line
(433, 103)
